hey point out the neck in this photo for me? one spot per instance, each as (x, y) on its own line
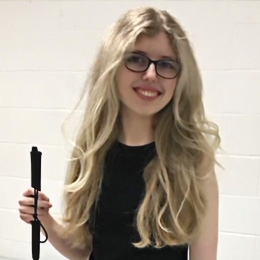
(136, 130)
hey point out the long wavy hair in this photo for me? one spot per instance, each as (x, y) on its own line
(174, 205)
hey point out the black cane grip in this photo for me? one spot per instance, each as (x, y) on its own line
(36, 168)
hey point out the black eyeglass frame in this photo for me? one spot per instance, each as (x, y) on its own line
(150, 61)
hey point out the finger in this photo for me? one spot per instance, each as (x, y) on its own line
(28, 192)
(44, 204)
(43, 196)
(26, 210)
(29, 203)
(30, 211)
(26, 201)
(26, 217)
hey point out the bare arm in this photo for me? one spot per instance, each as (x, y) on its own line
(50, 224)
(204, 246)
(63, 246)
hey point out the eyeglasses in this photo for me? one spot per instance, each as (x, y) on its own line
(167, 68)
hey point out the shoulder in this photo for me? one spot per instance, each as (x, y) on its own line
(206, 167)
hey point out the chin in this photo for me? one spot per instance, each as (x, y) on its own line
(147, 113)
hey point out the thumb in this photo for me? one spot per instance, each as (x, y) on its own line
(42, 196)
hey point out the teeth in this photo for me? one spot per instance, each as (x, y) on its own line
(147, 93)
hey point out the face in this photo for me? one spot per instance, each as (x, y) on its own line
(146, 93)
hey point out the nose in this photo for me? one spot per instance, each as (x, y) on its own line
(150, 73)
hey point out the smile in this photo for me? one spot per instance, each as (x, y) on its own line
(147, 94)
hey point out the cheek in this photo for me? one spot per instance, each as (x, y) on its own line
(121, 83)
(122, 77)
(171, 87)
(126, 79)
(119, 77)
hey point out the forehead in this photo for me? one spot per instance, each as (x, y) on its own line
(155, 46)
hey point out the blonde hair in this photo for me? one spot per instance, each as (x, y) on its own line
(174, 204)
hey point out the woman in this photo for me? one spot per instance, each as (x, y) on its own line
(141, 184)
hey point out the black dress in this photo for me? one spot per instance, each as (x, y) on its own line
(112, 223)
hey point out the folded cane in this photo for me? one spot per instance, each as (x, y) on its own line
(36, 184)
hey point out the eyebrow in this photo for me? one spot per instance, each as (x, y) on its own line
(162, 57)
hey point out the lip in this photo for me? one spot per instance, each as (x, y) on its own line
(148, 88)
(147, 98)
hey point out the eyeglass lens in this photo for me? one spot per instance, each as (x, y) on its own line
(140, 63)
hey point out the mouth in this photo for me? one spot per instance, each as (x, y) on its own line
(147, 94)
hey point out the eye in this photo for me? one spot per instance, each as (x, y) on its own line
(166, 64)
(136, 59)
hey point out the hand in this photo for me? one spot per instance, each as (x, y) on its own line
(26, 208)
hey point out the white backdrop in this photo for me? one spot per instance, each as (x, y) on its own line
(46, 48)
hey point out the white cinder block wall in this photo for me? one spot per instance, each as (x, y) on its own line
(46, 48)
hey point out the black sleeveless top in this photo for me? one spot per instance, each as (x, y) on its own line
(112, 223)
